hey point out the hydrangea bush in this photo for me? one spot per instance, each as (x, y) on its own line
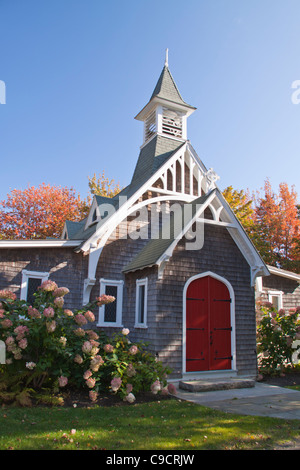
(49, 346)
(278, 338)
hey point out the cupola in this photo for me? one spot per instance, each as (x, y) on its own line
(166, 112)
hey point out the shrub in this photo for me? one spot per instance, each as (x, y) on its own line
(277, 335)
(48, 346)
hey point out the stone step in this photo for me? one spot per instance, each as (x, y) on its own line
(209, 385)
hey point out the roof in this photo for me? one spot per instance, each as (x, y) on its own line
(166, 88)
(284, 273)
(155, 248)
(152, 156)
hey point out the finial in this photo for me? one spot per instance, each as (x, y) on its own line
(167, 58)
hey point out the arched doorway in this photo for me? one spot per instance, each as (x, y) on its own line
(208, 325)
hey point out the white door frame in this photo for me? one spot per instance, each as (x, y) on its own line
(232, 319)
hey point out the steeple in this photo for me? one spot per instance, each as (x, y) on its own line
(166, 112)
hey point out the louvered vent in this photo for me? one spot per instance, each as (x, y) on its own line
(150, 125)
(172, 123)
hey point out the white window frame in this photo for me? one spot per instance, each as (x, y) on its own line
(278, 294)
(119, 307)
(139, 283)
(30, 274)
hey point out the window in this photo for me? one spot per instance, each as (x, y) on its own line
(141, 303)
(172, 122)
(31, 280)
(111, 314)
(150, 125)
(275, 298)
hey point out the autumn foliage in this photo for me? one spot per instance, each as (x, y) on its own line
(272, 221)
(39, 212)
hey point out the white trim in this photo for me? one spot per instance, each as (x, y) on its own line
(169, 251)
(283, 273)
(278, 294)
(30, 274)
(39, 243)
(232, 316)
(119, 307)
(139, 283)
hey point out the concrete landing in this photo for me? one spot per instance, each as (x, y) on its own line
(206, 385)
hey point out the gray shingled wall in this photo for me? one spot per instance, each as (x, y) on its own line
(164, 333)
(66, 268)
(290, 289)
(221, 256)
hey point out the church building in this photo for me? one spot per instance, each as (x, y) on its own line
(168, 247)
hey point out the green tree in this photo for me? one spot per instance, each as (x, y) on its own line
(102, 186)
(241, 204)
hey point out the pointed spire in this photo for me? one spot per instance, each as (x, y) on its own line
(166, 92)
(167, 58)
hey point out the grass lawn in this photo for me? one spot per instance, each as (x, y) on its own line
(166, 425)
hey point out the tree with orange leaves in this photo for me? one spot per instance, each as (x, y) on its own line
(277, 226)
(39, 212)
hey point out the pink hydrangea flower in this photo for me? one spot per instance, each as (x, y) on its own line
(90, 382)
(105, 299)
(78, 359)
(96, 362)
(89, 316)
(48, 286)
(87, 347)
(129, 388)
(9, 341)
(131, 372)
(93, 395)
(60, 291)
(59, 302)
(23, 343)
(79, 332)
(80, 319)
(7, 323)
(108, 348)
(33, 312)
(7, 294)
(51, 326)
(68, 313)
(125, 331)
(155, 387)
(116, 383)
(49, 312)
(21, 331)
(133, 350)
(62, 381)
(87, 374)
(92, 334)
(130, 398)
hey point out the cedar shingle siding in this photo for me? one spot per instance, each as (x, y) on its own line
(165, 297)
(289, 288)
(66, 268)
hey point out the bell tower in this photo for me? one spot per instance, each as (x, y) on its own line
(166, 112)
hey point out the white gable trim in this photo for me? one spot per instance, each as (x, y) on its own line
(235, 229)
(123, 211)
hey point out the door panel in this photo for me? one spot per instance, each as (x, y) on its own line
(208, 328)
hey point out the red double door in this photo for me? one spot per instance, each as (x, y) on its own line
(208, 325)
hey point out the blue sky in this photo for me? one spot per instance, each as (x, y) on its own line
(78, 71)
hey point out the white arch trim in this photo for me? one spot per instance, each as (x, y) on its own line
(232, 319)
